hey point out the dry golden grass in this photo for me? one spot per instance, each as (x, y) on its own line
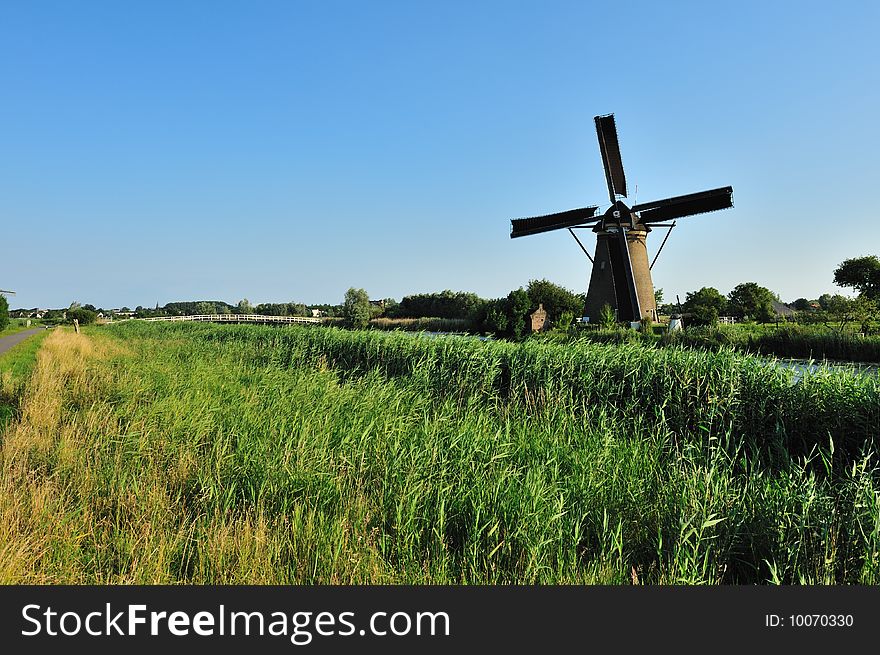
(71, 511)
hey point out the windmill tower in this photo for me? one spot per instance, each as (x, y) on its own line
(621, 276)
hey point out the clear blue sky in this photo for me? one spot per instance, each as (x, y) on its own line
(161, 151)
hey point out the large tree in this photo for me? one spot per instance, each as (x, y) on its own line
(705, 305)
(356, 308)
(4, 312)
(518, 308)
(751, 300)
(557, 300)
(862, 274)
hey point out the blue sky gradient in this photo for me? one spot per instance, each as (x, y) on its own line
(162, 151)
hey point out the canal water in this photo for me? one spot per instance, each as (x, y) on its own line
(802, 367)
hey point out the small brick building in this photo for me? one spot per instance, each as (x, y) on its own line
(539, 319)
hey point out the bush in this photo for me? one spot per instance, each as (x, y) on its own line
(83, 316)
(4, 312)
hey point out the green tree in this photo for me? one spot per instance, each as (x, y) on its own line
(862, 274)
(658, 297)
(244, 306)
(356, 308)
(446, 304)
(704, 306)
(859, 310)
(203, 308)
(751, 300)
(557, 300)
(518, 307)
(492, 318)
(83, 316)
(4, 312)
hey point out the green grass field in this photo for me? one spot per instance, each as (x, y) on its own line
(147, 453)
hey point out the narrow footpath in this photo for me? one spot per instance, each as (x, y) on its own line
(7, 342)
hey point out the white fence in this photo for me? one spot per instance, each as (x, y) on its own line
(238, 318)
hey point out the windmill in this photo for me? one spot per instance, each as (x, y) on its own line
(621, 276)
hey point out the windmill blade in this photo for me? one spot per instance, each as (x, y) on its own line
(624, 281)
(607, 133)
(681, 206)
(9, 292)
(520, 227)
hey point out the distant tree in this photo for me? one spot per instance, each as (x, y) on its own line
(704, 306)
(446, 304)
(492, 318)
(82, 315)
(658, 297)
(272, 309)
(74, 305)
(801, 305)
(4, 312)
(862, 274)
(557, 300)
(859, 310)
(244, 306)
(390, 306)
(327, 310)
(356, 308)
(750, 300)
(518, 307)
(297, 309)
(205, 308)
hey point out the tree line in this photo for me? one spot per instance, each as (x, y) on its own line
(750, 301)
(506, 316)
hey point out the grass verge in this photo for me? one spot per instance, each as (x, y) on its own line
(16, 365)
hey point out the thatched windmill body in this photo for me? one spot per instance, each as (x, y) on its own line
(621, 276)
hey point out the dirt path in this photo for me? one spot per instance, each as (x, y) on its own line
(7, 342)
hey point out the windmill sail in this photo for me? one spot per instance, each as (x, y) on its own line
(608, 145)
(689, 205)
(520, 227)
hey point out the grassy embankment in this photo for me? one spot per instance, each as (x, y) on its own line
(15, 369)
(201, 453)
